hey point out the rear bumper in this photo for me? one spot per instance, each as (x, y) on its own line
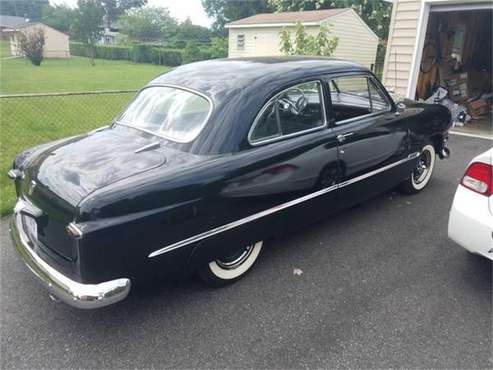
(75, 294)
(471, 223)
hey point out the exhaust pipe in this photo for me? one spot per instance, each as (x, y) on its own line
(444, 153)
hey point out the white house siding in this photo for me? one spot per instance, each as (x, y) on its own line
(258, 41)
(400, 46)
(56, 42)
(356, 41)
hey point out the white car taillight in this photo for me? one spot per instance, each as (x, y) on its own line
(479, 178)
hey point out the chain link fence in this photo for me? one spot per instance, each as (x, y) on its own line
(31, 119)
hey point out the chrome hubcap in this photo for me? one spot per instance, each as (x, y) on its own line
(423, 167)
(236, 259)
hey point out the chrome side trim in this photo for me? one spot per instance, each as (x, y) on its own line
(275, 209)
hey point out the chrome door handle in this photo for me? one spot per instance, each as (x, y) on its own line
(342, 137)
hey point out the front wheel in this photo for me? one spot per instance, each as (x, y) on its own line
(229, 269)
(421, 174)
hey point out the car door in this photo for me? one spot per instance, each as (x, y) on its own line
(372, 139)
(288, 177)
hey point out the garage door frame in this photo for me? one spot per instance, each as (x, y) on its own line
(427, 7)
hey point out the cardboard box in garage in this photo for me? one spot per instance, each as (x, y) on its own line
(478, 108)
(458, 86)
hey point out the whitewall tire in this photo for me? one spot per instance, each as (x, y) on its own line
(229, 269)
(421, 175)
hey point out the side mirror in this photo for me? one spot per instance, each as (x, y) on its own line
(400, 108)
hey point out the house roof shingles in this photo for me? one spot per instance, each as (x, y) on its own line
(10, 21)
(310, 16)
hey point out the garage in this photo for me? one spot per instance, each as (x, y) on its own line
(440, 51)
(455, 68)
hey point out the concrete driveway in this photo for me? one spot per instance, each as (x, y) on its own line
(382, 286)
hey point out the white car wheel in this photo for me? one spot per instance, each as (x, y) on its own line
(421, 175)
(229, 269)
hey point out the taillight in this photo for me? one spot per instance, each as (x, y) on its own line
(479, 178)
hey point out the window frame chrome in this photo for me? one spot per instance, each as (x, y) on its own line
(187, 89)
(294, 134)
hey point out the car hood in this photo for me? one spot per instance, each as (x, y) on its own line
(76, 167)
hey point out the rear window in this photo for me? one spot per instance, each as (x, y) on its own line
(175, 114)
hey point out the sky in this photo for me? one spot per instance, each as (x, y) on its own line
(179, 9)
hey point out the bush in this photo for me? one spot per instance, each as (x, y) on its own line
(192, 52)
(218, 47)
(178, 44)
(78, 49)
(138, 53)
(205, 53)
(167, 57)
(112, 52)
(31, 45)
(141, 53)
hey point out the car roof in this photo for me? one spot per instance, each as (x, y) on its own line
(239, 87)
(213, 76)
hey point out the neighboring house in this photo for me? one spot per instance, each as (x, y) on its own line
(56, 42)
(259, 35)
(110, 37)
(8, 24)
(415, 25)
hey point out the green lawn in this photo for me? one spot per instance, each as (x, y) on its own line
(74, 74)
(26, 122)
(4, 48)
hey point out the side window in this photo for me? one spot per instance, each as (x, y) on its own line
(297, 109)
(355, 96)
(378, 101)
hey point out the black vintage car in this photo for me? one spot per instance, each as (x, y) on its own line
(208, 161)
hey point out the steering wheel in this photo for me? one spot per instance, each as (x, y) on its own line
(296, 107)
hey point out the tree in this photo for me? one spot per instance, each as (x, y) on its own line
(191, 53)
(186, 30)
(87, 24)
(224, 11)
(31, 44)
(59, 17)
(376, 13)
(305, 44)
(24, 8)
(114, 8)
(147, 24)
(219, 47)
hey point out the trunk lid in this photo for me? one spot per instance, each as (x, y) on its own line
(61, 175)
(74, 169)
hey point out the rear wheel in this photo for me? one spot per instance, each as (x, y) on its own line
(230, 268)
(421, 174)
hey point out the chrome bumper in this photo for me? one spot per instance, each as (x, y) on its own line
(78, 295)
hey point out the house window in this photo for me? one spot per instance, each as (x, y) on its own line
(240, 42)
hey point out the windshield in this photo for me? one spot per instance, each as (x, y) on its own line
(170, 112)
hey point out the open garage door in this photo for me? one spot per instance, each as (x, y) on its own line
(456, 64)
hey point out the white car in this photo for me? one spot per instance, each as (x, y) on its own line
(471, 216)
